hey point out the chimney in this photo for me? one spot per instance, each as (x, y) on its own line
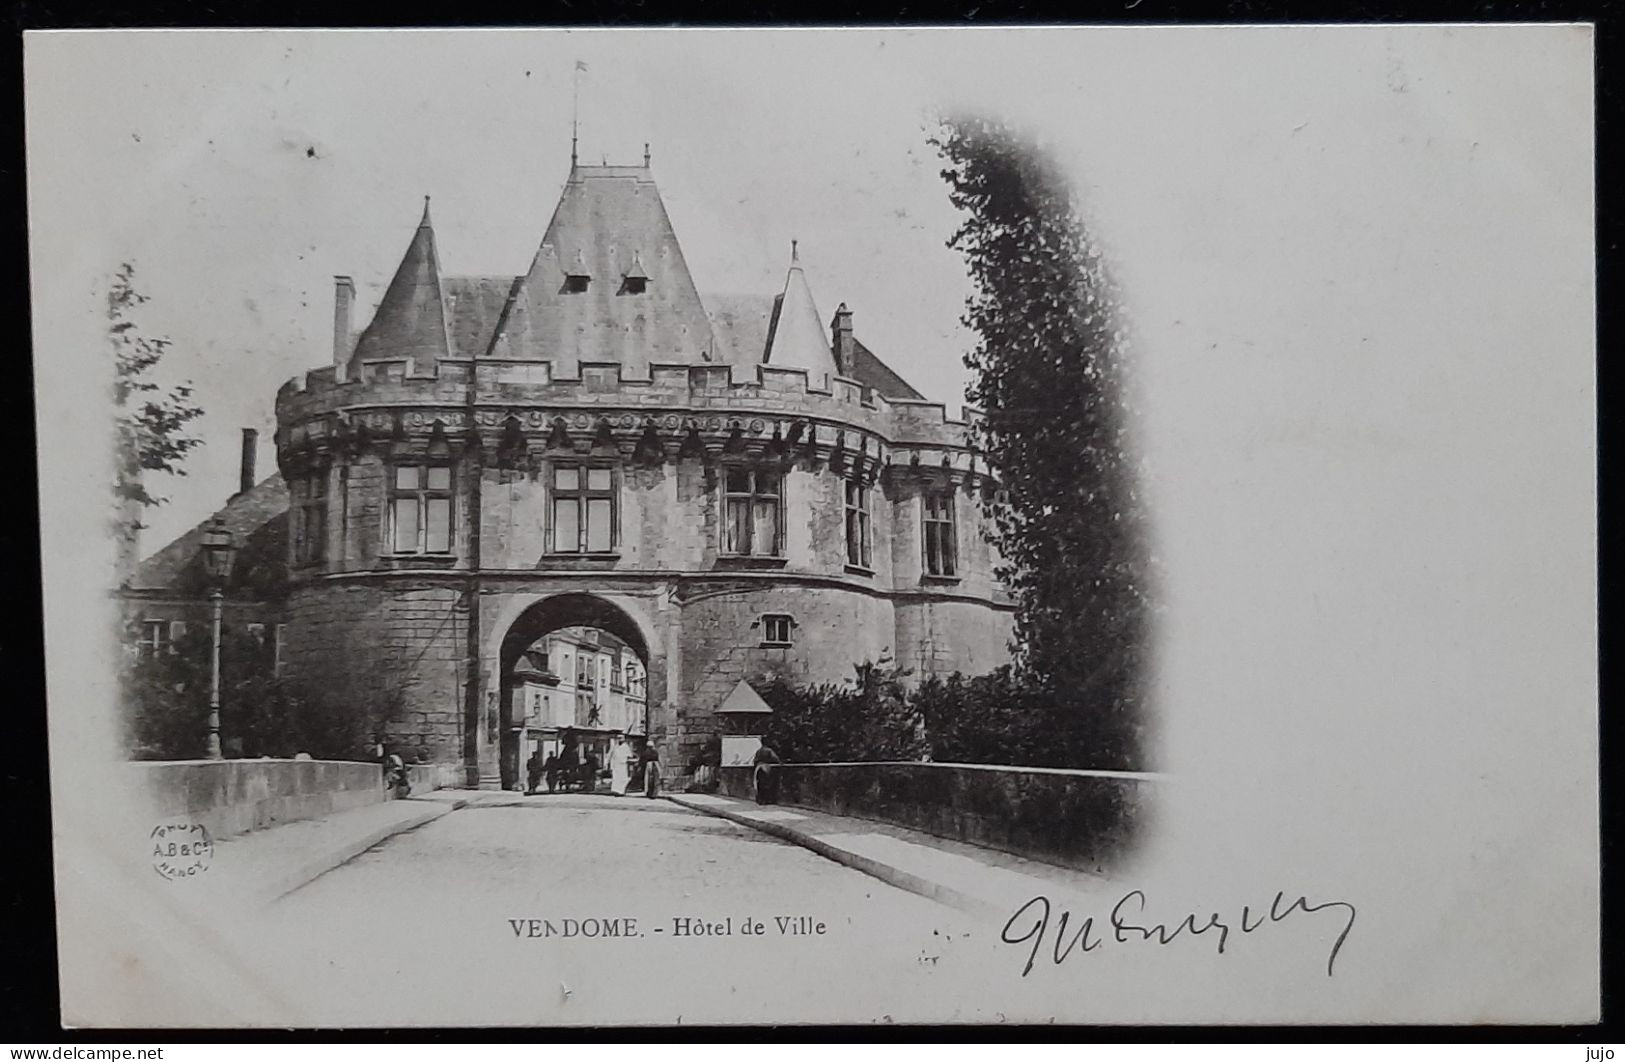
(842, 345)
(251, 439)
(343, 300)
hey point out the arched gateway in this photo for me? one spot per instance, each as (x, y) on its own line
(723, 485)
(531, 664)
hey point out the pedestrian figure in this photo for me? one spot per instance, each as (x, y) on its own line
(569, 761)
(764, 775)
(396, 777)
(550, 770)
(589, 773)
(651, 771)
(619, 776)
(533, 772)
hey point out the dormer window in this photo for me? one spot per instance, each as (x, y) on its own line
(577, 276)
(635, 281)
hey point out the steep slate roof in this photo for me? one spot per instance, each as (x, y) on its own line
(872, 372)
(411, 318)
(258, 521)
(744, 323)
(610, 222)
(798, 339)
(740, 324)
(476, 306)
(607, 218)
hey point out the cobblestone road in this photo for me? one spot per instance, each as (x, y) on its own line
(420, 929)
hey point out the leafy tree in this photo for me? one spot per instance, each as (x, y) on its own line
(997, 718)
(328, 712)
(1048, 370)
(868, 719)
(150, 422)
(167, 694)
(984, 719)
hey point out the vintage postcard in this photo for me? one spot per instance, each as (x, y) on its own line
(753, 526)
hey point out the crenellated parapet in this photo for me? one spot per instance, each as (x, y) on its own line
(517, 411)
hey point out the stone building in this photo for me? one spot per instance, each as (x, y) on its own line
(582, 680)
(166, 595)
(729, 486)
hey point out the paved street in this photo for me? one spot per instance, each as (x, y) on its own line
(420, 930)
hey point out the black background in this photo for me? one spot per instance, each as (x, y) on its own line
(29, 1011)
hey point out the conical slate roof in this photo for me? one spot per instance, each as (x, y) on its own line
(799, 340)
(610, 223)
(411, 317)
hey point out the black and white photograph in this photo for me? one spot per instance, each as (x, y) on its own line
(650, 528)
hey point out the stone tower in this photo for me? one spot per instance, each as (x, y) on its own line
(723, 485)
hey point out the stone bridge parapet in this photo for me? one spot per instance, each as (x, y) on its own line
(1076, 818)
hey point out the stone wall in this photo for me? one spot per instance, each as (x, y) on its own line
(1081, 819)
(229, 797)
(409, 632)
(833, 630)
(938, 635)
(669, 518)
(670, 435)
(427, 777)
(770, 390)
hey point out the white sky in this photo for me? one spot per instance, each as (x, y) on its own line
(1277, 186)
(1359, 264)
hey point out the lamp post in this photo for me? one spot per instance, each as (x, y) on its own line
(217, 557)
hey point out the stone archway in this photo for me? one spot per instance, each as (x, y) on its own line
(545, 616)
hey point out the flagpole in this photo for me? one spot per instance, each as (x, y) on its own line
(575, 105)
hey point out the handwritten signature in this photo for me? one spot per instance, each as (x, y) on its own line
(1035, 915)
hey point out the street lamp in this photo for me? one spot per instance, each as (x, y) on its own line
(218, 554)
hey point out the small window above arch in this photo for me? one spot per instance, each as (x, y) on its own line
(776, 629)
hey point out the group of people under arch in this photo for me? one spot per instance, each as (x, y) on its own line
(576, 769)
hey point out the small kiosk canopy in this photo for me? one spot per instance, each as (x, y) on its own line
(745, 717)
(744, 700)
